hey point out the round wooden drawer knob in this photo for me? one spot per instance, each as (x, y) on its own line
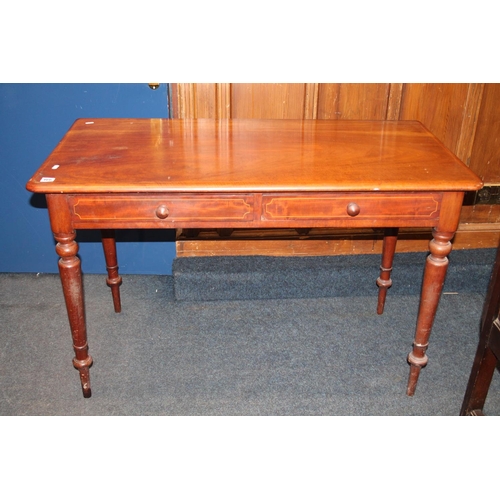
(162, 212)
(353, 209)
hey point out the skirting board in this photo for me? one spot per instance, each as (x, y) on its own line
(322, 242)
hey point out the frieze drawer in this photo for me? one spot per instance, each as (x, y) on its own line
(351, 206)
(161, 210)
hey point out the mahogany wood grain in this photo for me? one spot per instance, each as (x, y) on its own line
(227, 156)
(254, 174)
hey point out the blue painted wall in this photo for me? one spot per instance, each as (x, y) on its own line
(33, 119)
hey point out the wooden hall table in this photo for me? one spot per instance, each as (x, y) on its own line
(155, 173)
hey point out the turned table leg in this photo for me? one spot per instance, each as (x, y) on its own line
(384, 280)
(113, 280)
(71, 280)
(434, 275)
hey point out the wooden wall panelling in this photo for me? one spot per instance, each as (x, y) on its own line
(440, 107)
(394, 101)
(484, 158)
(201, 100)
(353, 101)
(485, 154)
(268, 100)
(290, 100)
(311, 91)
(450, 111)
(469, 122)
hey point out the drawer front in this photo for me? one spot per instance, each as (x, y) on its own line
(237, 210)
(160, 210)
(351, 207)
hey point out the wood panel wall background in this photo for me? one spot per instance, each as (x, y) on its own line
(464, 116)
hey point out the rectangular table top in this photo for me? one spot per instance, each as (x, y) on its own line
(114, 155)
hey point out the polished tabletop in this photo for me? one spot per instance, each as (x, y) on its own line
(205, 155)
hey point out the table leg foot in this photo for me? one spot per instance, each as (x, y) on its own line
(416, 364)
(475, 413)
(113, 280)
(83, 368)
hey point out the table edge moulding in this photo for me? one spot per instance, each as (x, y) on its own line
(115, 173)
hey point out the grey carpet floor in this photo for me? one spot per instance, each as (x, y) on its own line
(261, 277)
(284, 356)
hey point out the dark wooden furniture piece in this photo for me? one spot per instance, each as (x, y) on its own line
(153, 173)
(488, 349)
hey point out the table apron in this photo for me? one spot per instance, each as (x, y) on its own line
(258, 210)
